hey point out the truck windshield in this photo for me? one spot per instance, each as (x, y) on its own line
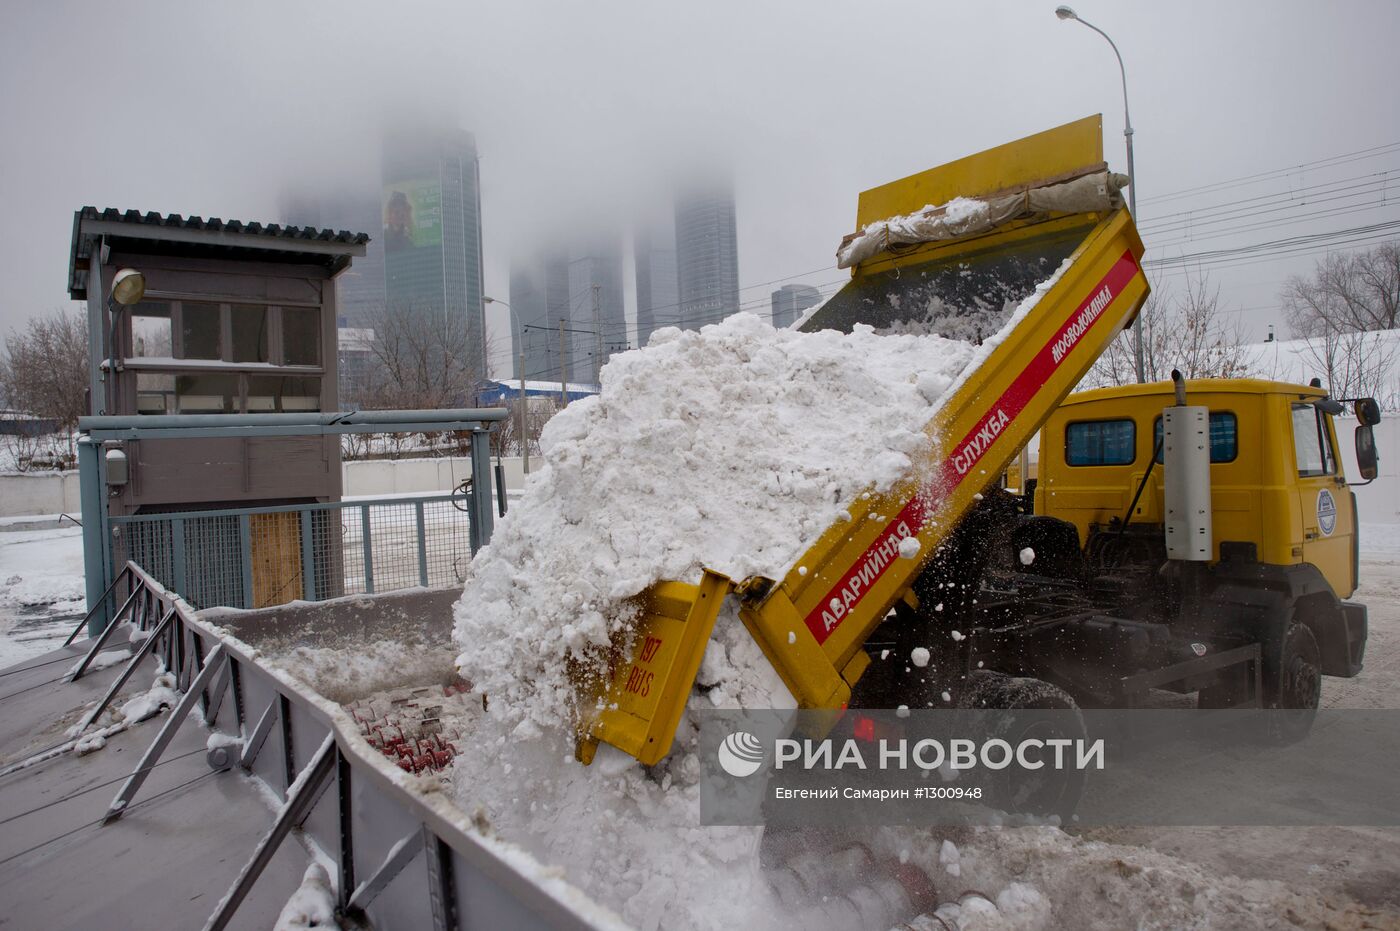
(1310, 443)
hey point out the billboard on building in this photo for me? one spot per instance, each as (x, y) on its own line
(412, 215)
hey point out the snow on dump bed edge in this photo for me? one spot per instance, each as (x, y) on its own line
(733, 447)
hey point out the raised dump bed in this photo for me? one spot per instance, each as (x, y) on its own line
(1032, 246)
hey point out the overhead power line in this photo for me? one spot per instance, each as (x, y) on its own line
(1279, 199)
(1331, 161)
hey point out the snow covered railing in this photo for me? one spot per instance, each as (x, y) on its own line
(366, 834)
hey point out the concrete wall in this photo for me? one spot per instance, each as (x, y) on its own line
(39, 493)
(381, 477)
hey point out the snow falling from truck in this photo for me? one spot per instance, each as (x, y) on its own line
(731, 448)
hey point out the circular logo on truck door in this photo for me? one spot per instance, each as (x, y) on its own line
(1326, 512)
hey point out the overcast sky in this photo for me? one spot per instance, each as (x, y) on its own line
(581, 108)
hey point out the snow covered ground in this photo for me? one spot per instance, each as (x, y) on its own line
(586, 821)
(41, 590)
(1109, 878)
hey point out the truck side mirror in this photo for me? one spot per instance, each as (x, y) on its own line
(1366, 457)
(1368, 412)
(1329, 406)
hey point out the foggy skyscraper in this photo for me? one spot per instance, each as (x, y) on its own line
(582, 288)
(658, 299)
(707, 255)
(595, 290)
(431, 230)
(539, 295)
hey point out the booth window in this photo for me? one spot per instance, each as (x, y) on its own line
(212, 393)
(201, 327)
(249, 327)
(301, 336)
(281, 393)
(151, 334)
(155, 393)
(233, 337)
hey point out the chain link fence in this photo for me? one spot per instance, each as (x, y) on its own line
(258, 557)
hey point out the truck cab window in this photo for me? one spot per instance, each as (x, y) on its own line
(1311, 444)
(1100, 442)
(1224, 437)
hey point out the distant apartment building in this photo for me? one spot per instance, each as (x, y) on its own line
(431, 231)
(707, 255)
(658, 297)
(356, 363)
(790, 301)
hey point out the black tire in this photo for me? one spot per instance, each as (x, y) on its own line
(1046, 791)
(1292, 683)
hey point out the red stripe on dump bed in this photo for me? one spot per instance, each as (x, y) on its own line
(963, 458)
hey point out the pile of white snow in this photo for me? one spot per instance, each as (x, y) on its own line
(731, 448)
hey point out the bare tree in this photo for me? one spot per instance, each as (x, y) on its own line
(421, 359)
(1185, 330)
(506, 441)
(44, 369)
(1337, 311)
(416, 359)
(1347, 293)
(1356, 364)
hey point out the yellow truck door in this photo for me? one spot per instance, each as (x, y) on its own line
(1325, 504)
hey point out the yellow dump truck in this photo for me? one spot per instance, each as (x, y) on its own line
(1192, 537)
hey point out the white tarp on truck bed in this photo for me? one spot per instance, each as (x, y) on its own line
(963, 216)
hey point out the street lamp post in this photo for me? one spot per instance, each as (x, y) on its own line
(520, 357)
(1065, 13)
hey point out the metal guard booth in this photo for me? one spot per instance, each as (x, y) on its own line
(213, 457)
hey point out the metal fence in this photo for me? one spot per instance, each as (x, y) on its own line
(401, 858)
(257, 557)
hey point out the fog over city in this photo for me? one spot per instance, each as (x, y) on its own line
(585, 114)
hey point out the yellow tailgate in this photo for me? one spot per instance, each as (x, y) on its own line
(640, 708)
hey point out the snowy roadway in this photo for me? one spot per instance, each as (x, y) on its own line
(1334, 877)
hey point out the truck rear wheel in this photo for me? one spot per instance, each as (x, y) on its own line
(1292, 682)
(1041, 792)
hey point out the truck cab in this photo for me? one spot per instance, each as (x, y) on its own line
(1283, 547)
(1278, 491)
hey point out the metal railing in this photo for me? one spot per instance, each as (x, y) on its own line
(262, 556)
(402, 858)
